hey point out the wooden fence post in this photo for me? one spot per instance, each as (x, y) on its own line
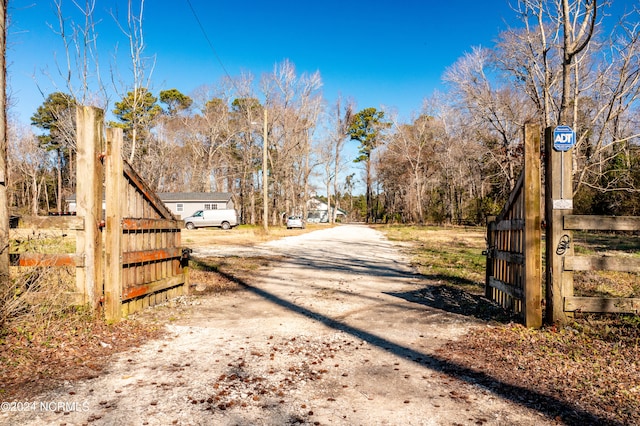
(89, 123)
(532, 228)
(559, 243)
(113, 239)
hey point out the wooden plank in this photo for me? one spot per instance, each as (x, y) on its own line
(145, 289)
(114, 183)
(155, 255)
(150, 196)
(601, 263)
(558, 186)
(532, 280)
(602, 304)
(510, 225)
(89, 128)
(131, 224)
(515, 193)
(51, 222)
(602, 223)
(42, 259)
(516, 258)
(506, 288)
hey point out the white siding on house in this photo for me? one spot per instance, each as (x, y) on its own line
(317, 211)
(183, 204)
(191, 202)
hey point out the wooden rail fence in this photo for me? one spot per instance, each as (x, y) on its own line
(601, 263)
(144, 258)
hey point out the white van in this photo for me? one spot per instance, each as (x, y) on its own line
(222, 218)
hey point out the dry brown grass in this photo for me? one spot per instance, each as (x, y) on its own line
(43, 339)
(221, 274)
(243, 235)
(452, 255)
(607, 283)
(36, 294)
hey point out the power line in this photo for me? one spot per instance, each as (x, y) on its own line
(206, 37)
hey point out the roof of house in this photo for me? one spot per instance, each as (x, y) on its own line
(317, 204)
(195, 196)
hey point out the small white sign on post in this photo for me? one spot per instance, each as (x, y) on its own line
(563, 204)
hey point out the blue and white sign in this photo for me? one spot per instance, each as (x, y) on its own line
(563, 138)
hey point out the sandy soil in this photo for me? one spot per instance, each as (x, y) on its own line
(326, 336)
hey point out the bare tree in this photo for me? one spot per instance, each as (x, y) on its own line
(605, 115)
(339, 137)
(493, 109)
(140, 65)
(28, 162)
(578, 26)
(79, 72)
(81, 69)
(211, 142)
(577, 75)
(411, 153)
(294, 105)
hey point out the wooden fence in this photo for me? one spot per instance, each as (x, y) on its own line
(573, 263)
(561, 260)
(131, 259)
(514, 259)
(514, 271)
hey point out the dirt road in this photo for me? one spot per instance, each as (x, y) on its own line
(327, 336)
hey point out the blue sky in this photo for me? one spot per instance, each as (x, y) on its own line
(379, 53)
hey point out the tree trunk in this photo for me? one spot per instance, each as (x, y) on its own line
(4, 199)
(34, 195)
(59, 175)
(369, 204)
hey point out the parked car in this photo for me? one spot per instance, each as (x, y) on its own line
(222, 218)
(295, 222)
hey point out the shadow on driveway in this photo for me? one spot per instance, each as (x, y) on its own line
(457, 301)
(453, 299)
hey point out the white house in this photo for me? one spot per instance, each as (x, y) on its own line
(182, 204)
(318, 212)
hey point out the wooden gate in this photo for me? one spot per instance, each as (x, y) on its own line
(514, 257)
(514, 273)
(128, 253)
(145, 263)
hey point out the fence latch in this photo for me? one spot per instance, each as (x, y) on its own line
(186, 255)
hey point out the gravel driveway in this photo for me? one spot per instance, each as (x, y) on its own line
(326, 336)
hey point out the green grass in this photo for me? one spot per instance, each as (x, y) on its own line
(451, 255)
(454, 256)
(608, 242)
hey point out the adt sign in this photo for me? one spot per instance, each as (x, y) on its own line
(563, 138)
